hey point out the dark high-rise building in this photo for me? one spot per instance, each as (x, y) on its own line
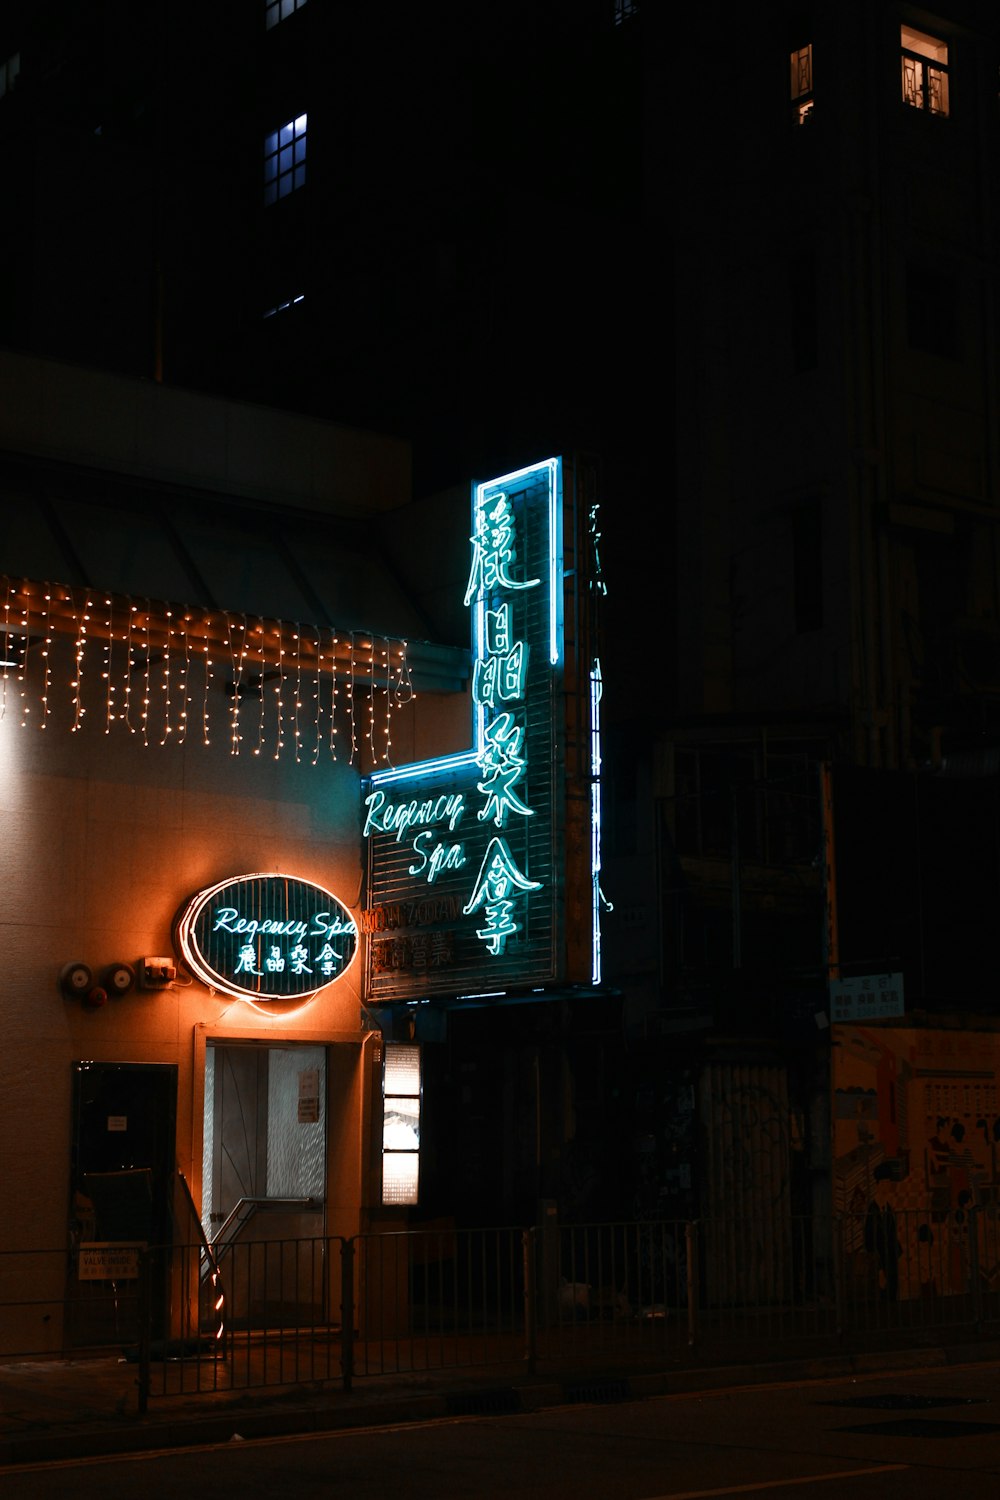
(810, 777)
(258, 257)
(426, 221)
(760, 287)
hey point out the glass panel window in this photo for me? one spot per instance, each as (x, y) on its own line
(285, 159)
(401, 1123)
(925, 71)
(280, 10)
(802, 84)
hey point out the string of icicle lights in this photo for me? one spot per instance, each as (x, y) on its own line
(173, 675)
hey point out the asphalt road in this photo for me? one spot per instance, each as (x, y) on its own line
(923, 1434)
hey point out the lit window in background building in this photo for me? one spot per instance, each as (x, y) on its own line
(802, 84)
(285, 159)
(925, 71)
(280, 10)
(281, 307)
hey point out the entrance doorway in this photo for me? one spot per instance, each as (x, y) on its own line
(122, 1172)
(264, 1178)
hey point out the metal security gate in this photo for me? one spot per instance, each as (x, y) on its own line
(746, 1202)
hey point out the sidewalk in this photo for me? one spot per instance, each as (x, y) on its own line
(65, 1409)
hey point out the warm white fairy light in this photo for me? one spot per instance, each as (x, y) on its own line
(6, 654)
(318, 697)
(22, 670)
(260, 682)
(82, 619)
(236, 665)
(109, 686)
(132, 612)
(145, 676)
(168, 728)
(371, 702)
(333, 696)
(184, 688)
(46, 655)
(241, 665)
(298, 693)
(279, 688)
(388, 700)
(206, 730)
(403, 681)
(350, 706)
(121, 641)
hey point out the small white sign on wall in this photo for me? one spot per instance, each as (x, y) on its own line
(109, 1260)
(866, 997)
(309, 1096)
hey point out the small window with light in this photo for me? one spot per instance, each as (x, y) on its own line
(285, 159)
(925, 71)
(280, 10)
(285, 306)
(802, 84)
(401, 1123)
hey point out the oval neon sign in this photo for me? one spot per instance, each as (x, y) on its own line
(267, 937)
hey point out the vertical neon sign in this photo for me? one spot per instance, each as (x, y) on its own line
(498, 680)
(467, 852)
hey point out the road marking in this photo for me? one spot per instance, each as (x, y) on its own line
(774, 1484)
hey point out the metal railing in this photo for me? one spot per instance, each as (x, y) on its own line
(335, 1309)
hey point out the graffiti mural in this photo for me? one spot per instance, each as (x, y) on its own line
(916, 1137)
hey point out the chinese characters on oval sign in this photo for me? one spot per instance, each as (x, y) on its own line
(267, 937)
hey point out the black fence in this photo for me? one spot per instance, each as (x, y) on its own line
(286, 1312)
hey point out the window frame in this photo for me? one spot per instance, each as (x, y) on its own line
(801, 83)
(276, 11)
(924, 68)
(281, 151)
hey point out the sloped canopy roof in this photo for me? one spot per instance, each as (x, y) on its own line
(146, 521)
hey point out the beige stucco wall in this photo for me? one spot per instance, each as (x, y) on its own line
(102, 838)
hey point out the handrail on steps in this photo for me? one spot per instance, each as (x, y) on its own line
(244, 1211)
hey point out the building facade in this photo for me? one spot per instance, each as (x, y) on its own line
(249, 852)
(819, 799)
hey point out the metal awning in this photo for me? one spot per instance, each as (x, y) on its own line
(231, 568)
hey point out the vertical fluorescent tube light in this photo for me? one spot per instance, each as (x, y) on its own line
(401, 1085)
(596, 686)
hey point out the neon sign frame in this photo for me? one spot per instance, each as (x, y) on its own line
(486, 782)
(261, 925)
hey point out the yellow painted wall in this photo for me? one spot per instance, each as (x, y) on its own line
(916, 1130)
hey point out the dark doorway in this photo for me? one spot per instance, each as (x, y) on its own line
(264, 1178)
(122, 1171)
